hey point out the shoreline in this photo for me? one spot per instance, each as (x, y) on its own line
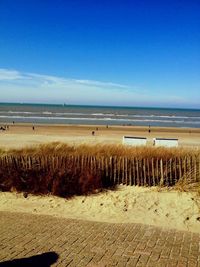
(107, 126)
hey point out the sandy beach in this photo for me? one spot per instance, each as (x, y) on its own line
(20, 135)
(170, 209)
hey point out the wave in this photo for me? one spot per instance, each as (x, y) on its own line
(47, 112)
(19, 112)
(97, 119)
(104, 115)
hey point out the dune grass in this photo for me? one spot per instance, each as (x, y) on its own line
(68, 178)
(61, 149)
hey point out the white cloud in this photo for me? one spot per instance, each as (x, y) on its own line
(64, 81)
(37, 87)
(33, 78)
(9, 75)
(18, 86)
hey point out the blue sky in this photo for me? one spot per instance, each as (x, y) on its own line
(132, 53)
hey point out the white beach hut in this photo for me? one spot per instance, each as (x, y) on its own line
(166, 142)
(134, 141)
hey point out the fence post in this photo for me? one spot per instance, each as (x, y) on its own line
(180, 167)
(153, 171)
(148, 173)
(166, 173)
(144, 171)
(175, 169)
(137, 169)
(157, 172)
(133, 170)
(115, 168)
(130, 173)
(199, 168)
(161, 172)
(119, 171)
(126, 171)
(111, 169)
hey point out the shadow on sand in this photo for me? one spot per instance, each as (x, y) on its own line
(44, 260)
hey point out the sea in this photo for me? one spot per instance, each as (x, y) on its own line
(98, 115)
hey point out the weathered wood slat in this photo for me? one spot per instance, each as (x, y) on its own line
(117, 170)
(144, 172)
(161, 173)
(126, 171)
(153, 171)
(199, 168)
(130, 173)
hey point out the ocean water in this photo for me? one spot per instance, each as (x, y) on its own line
(68, 114)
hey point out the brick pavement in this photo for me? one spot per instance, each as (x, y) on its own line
(82, 243)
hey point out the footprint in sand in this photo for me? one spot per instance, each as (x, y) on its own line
(125, 205)
(186, 219)
(156, 203)
(25, 194)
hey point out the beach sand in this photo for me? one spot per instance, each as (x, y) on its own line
(20, 135)
(168, 209)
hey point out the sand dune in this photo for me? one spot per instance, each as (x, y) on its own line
(169, 209)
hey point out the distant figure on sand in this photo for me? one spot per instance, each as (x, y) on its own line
(93, 132)
(33, 128)
(149, 129)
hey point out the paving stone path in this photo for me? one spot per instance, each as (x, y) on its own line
(82, 243)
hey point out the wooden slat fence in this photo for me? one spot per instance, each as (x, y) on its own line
(115, 169)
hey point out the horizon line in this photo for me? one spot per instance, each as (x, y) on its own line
(103, 106)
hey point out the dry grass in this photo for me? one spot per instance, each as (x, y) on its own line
(186, 184)
(68, 178)
(61, 149)
(64, 181)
